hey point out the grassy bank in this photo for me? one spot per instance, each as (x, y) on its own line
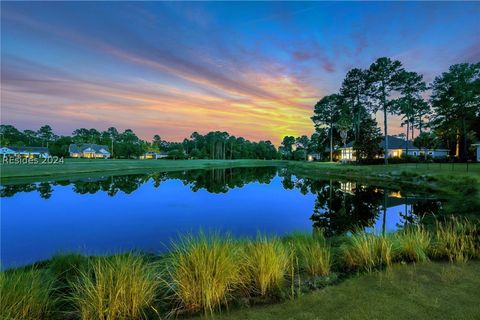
(78, 168)
(421, 291)
(208, 274)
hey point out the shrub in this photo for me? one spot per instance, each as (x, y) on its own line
(457, 240)
(365, 251)
(412, 244)
(205, 272)
(265, 263)
(25, 294)
(118, 287)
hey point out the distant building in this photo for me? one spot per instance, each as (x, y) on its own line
(88, 150)
(477, 145)
(153, 155)
(396, 148)
(24, 152)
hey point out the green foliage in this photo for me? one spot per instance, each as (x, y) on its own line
(120, 287)
(25, 294)
(204, 272)
(455, 101)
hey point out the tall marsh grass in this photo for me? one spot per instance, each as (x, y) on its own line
(364, 251)
(119, 287)
(25, 294)
(204, 272)
(264, 265)
(457, 240)
(412, 244)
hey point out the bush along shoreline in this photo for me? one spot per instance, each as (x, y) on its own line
(205, 274)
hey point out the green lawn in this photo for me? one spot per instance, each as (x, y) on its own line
(422, 291)
(73, 168)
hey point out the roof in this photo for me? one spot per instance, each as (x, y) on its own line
(396, 143)
(79, 148)
(28, 149)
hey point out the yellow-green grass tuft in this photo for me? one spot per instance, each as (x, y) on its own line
(265, 264)
(364, 251)
(457, 240)
(118, 287)
(412, 244)
(25, 294)
(204, 272)
(313, 252)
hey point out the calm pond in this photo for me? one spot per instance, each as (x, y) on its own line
(108, 214)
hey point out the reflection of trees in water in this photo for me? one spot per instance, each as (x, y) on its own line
(225, 179)
(213, 180)
(346, 206)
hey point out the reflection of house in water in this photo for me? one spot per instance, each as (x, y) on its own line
(375, 209)
(350, 187)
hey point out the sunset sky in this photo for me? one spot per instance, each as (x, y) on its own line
(252, 69)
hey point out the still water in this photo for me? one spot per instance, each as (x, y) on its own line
(108, 214)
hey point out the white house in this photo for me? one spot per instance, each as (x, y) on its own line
(88, 150)
(396, 148)
(24, 152)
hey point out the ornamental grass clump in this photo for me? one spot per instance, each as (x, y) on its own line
(204, 272)
(25, 294)
(314, 254)
(364, 251)
(457, 240)
(118, 287)
(265, 264)
(412, 244)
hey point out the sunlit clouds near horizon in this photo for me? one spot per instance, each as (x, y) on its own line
(251, 69)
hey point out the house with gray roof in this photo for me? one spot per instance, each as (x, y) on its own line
(397, 147)
(24, 152)
(89, 150)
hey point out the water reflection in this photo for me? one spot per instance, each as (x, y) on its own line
(339, 207)
(345, 206)
(109, 214)
(213, 181)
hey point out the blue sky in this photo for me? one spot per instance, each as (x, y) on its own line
(252, 69)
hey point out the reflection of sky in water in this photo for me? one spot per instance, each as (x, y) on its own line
(393, 219)
(34, 228)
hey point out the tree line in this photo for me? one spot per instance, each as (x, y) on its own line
(450, 117)
(126, 144)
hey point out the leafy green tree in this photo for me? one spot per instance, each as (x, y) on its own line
(455, 101)
(426, 140)
(326, 113)
(287, 147)
(354, 92)
(383, 80)
(60, 146)
(367, 146)
(45, 134)
(302, 143)
(10, 136)
(411, 104)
